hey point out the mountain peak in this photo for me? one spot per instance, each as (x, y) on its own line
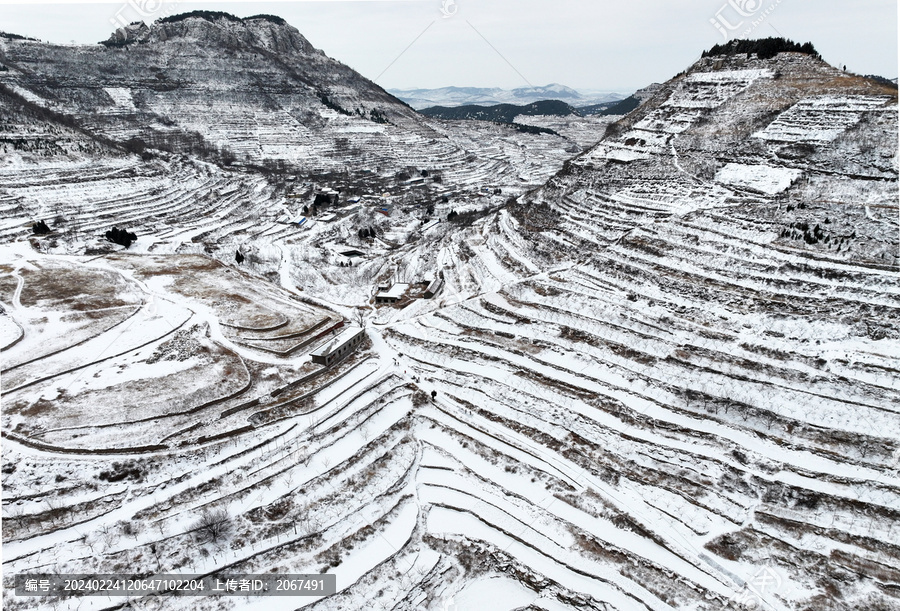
(216, 27)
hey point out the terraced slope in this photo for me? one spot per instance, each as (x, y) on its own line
(667, 379)
(254, 86)
(247, 91)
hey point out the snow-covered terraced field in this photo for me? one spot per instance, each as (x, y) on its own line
(666, 379)
(820, 119)
(712, 89)
(767, 179)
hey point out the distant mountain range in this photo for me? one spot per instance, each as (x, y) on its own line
(506, 113)
(462, 96)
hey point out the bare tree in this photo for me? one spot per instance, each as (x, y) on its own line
(108, 537)
(156, 550)
(213, 526)
(359, 317)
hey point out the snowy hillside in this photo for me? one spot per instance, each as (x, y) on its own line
(662, 375)
(249, 92)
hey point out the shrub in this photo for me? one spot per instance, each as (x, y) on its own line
(121, 236)
(122, 471)
(134, 145)
(467, 218)
(40, 228)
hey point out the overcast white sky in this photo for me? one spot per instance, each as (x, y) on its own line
(599, 44)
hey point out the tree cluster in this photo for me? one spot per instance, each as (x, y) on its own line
(40, 228)
(270, 18)
(765, 48)
(207, 15)
(333, 105)
(9, 36)
(321, 200)
(122, 237)
(809, 235)
(467, 218)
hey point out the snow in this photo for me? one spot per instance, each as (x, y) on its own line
(725, 76)
(583, 412)
(614, 153)
(361, 129)
(395, 292)
(819, 119)
(9, 331)
(767, 179)
(712, 89)
(500, 593)
(469, 526)
(121, 97)
(341, 338)
(26, 93)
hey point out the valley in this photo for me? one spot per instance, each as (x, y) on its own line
(647, 362)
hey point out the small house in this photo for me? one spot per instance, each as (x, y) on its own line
(434, 287)
(393, 295)
(339, 346)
